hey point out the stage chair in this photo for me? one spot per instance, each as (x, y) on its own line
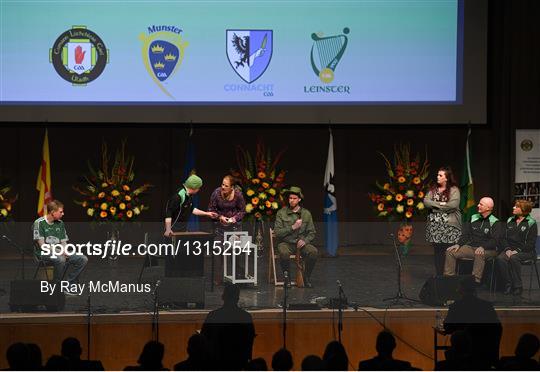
(489, 260)
(45, 265)
(532, 264)
(273, 257)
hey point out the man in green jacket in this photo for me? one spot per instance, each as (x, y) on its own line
(294, 229)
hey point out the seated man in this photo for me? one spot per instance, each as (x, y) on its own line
(294, 229)
(479, 240)
(517, 245)
(51, 230)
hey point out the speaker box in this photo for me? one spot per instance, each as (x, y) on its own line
(182, 293)
(441, 290)
(26, 295)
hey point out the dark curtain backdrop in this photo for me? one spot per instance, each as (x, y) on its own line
(513, 102)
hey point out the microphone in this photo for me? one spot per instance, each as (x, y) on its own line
(286, 274)
(338, 283)
(6, 238)
(158, 282)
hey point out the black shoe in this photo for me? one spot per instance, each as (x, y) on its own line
(517, 291)
(508, 289)
(307, 284)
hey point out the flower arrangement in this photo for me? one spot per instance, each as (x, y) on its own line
(261, 181)
(6, 201)
(401, 198)
(109, 195)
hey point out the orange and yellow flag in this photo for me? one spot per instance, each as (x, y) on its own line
(44, 179)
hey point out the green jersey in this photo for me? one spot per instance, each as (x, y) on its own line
(50, 233)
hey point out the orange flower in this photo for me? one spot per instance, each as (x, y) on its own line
(128, 198)
(84, 204)
(408, 214)
(420, 194)
(386, 186)
(122, 206)
(254, 201)
(258, 215)
(416, 180)
(401, 179)
(255, 181)
(112, 210)
(380, 207)
(261, 175)
(125, 187)
(265, 185)
(129, 214)
(410, 201)
(103, 214)
(104, 206)
(101, 195)
(399, 197)
(268, 204)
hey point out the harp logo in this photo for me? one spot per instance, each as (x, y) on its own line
(79, 55)
(162, 53)
(249, 52)
(326, 53)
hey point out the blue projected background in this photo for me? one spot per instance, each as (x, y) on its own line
(230, 51)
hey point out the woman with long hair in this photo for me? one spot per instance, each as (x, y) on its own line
(444, 219)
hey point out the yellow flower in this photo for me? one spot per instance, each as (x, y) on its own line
(90, 212)
(265, 185)
(410, 202)
(272, 192)
(129, 214)
(275, 205)
(420, 206)
(115, 193)
(250, 192)
(399, 197)
(262, 196)
(268, 204)
(249, 208)
(104, 206)
(380, 206)
(128, 198)
(408, 214)
(261, 175)
(125, 187)
(409, 193)
(416, 180)
(399, 208)
(401, 179)
(122, 206)
(103, 214)
(112, 210)
(101, 195)
(254, 201)
(3, 212)
(104, 184)
(421, 194)
(388, 197)
(136, 210)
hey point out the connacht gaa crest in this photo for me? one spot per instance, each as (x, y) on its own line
(249, 52)
(163, 52)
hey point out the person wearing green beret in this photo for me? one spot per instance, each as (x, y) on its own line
(180, 206)
(294, 229)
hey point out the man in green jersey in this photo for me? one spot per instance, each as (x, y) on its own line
(50, 230)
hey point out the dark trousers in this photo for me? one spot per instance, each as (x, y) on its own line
(439, 254)
(510, 267)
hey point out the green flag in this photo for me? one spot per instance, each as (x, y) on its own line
(467, 203)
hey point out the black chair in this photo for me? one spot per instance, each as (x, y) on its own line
(532, 264)
(489, 260)
(45, 264)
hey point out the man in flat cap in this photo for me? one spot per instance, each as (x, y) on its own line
(294, 229)
(180, 206)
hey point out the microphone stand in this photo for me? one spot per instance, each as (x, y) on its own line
(285, 295)
(397, 299)
(155, 315)
(341, 295)
(17, 247)
(88, 323)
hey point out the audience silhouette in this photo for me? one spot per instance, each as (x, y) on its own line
(257, 364)
(71, 350)
(230, 332)
(526, 348)
(282, 360)
(197, 349)
(150, 359)
(313, 363)
(335, 357)
(385, 345)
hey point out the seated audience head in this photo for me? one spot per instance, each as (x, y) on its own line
(335, 357)
(231, 294)
(17, 356)
(35, 361)
(522, 207)
(196, 346)
(313, 363)
(386, 343)
(152, 355)
(57, 363)
(257, 364)
(282, 360)
(527, 346)
(71, 348)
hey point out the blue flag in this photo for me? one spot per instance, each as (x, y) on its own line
(330, 203)
(189, 168)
